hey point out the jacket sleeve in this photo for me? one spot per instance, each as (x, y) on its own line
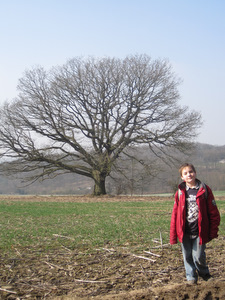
(214, 215)
(173, 230)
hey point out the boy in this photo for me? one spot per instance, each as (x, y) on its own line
(194, 222)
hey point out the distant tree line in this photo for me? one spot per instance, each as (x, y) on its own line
(133, 178)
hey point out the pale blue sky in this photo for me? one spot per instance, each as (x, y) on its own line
(189, 33)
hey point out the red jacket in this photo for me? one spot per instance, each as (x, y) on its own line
(208, 216)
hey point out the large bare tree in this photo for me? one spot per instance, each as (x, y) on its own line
(80, 117)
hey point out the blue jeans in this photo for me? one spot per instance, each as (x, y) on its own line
(194, 258)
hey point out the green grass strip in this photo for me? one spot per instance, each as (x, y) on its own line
(49, 225)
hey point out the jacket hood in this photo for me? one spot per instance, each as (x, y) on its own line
(182, 185)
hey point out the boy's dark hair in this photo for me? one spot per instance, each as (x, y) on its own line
(184, 166)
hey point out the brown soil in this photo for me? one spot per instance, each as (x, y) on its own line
(107, 273)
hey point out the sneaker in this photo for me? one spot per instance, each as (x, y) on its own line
(192, 282)
(206, 277)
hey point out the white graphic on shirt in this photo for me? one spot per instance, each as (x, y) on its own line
(192, 209)
(213, 202)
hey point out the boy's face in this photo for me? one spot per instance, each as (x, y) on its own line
(189, 176)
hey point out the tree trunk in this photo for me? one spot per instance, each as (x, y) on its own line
(99, 187)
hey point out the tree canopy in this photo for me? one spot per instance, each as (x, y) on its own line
(80, 117)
